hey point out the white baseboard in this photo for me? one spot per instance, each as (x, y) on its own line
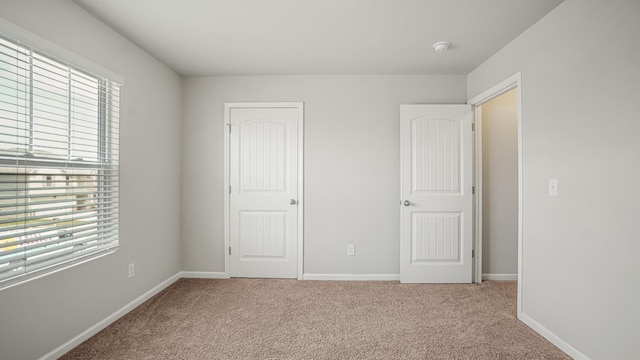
(500, 277)
(352, 277)
(203, 275)
(553, 338)
(66, 347)
(336, 277)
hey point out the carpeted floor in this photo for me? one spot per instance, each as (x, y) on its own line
(289, 319)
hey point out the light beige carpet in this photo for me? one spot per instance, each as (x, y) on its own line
(289, 319)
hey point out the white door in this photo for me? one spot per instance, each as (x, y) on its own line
(264, 191)
(436, 193)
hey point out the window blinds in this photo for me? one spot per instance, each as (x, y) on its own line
(58, 163)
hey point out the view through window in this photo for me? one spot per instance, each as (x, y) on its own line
(58, 163)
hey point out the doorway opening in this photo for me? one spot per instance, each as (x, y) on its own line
(498, 179)
(498, 132)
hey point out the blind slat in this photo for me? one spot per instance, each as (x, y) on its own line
(44, 244)
(53, 215)
(107, 189)
(51, 211)
(14, 243)
(11, 226)
(56, 259)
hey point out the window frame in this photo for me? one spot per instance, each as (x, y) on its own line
(105, 166)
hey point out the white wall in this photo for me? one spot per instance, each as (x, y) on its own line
(500, 185)
(351, 163)
(38, 316)
(581, 125)
(581, 101)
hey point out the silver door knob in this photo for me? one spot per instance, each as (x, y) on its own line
(406, 203)
(292, 201)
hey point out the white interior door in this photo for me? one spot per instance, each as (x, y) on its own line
(264, 190)
(436, 192)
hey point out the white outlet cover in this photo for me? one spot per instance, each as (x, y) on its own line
(351, 250)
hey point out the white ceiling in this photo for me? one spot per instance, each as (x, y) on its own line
(287, 37)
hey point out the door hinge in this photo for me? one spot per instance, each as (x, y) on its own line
(229, 125)
(473, 126)
(473, 190)
(229, 189)
(473, 253)
(229, 250)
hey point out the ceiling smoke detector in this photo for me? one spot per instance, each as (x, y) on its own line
(441, 46)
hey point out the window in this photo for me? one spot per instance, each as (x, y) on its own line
(58, 163)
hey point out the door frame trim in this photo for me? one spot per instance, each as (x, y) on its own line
(227, 162)
(512, 82)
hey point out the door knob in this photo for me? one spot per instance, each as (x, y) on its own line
(406, 203)
(292, 201)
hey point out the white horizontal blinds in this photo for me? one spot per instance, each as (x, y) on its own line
(58, 163)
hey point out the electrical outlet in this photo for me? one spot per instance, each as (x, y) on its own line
(132, 270)
(351, 250)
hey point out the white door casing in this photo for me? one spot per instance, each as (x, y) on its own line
(436, 193)
(513, 81)
(264, 189)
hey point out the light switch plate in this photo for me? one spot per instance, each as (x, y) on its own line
(553, 187)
